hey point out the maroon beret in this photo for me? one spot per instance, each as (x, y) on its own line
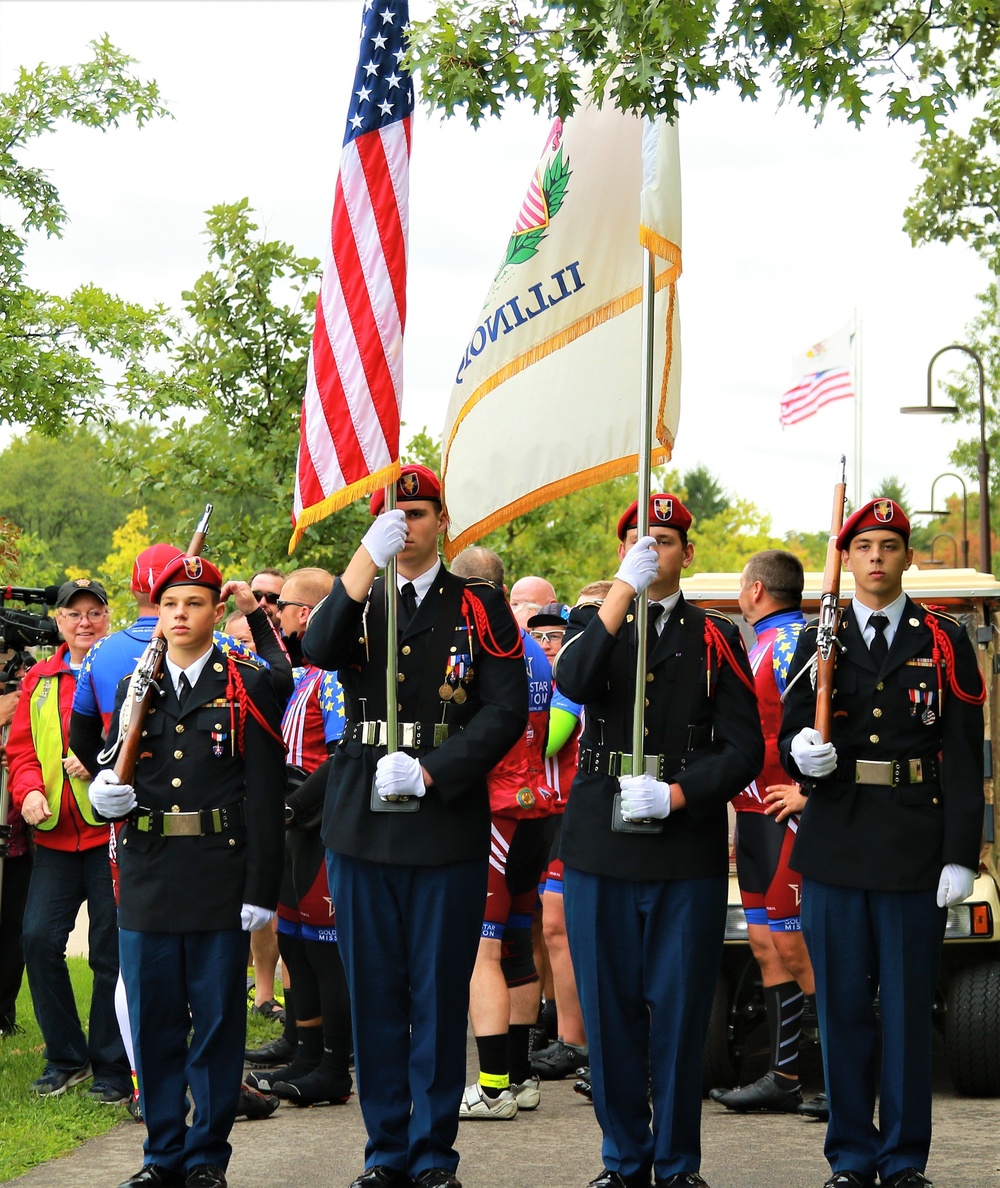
(414, 482)
(187, 571)
(665, 511)
(880, 513)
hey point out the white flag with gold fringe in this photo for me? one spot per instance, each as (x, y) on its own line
(547, 392)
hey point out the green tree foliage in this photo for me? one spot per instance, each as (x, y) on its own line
(59, 493)
(705, 497)
(230, 407)
(959, 196)
(52, 347)
(474, 55)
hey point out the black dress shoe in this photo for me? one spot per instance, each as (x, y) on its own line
(206, 1175)
(438, 1177)
(382, 1177)
(682, 1180)
(850, 1179)
(766, 1095)
(816, 1107)
(153, 1175)
(909, 1177)
(613, 1179)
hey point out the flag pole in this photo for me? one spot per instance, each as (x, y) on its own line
(642, 519)
(858, 475)
(392, 660)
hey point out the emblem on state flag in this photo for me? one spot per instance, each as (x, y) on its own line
(883, 511)
(545, 196)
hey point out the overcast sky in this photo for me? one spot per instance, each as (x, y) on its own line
(788, 228)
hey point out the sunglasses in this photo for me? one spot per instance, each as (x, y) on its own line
(265, 596)
(549, 636)
(282, 604)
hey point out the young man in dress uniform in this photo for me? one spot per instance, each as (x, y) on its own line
(889, 838)
(408, 823)
(200, 860)
(647, 856)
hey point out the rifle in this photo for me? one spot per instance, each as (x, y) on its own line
(147, 673)
(829, 614)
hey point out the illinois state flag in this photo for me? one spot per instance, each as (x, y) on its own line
(558, 339)
(822, 374)
(349, 439)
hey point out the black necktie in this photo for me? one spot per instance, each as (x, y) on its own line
(183, 689)
(879, 647)
(653, 615)
(407, 605)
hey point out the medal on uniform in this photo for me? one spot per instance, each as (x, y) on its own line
(218, 738)
(921, 701)
(460, 695)
(446, 692)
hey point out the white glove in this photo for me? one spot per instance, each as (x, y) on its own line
(813, 757)
(112, 799)
(253, 919)
(643, 796)
(397, 774)
(639, 565)
(386, 537)
(954, 885)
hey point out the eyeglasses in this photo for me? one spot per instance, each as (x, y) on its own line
(554, 636)
(95, 615)
(282, 604)
(268, 596)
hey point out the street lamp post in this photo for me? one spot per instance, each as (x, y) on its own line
(942, 536)
(985, 535)
(965, 512)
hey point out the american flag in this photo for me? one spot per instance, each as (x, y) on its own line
(825, 372)
(349, 443)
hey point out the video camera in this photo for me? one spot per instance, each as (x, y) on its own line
(23, 629)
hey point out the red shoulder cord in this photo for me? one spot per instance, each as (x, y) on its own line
(943, 647)
(716, 642)
(470, 603)
(236, 694)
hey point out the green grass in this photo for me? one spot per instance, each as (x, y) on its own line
(36, 1129)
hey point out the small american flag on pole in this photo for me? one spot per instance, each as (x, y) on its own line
(825, 371)
(349, 444)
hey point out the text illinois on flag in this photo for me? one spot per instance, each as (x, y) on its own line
(558, 338)
(349, 442)
(823, 375)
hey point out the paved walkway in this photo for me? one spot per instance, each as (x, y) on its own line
(557, 1146)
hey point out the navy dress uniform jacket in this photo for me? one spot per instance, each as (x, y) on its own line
(891, 838)
(598, 669)
(453, 821)
(197, 884)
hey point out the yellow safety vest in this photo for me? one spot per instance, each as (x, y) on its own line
(47, 736)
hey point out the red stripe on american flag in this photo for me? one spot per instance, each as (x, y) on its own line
(812, 392)
(350, 413)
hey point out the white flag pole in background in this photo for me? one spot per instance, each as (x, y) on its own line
(560, 332)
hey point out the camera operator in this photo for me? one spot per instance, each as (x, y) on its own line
(49, 786)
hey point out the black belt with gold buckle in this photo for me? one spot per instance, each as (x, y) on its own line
(193, 824)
